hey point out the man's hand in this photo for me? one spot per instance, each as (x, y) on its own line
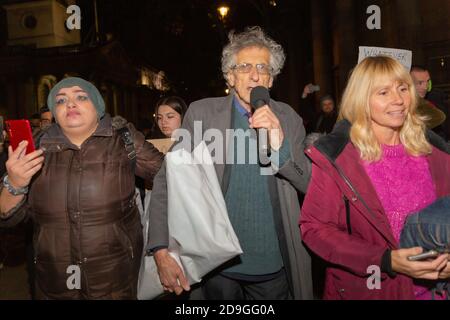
(308, 89)
(265, 118)
(170, 274)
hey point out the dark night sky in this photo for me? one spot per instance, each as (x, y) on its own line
(184, 38)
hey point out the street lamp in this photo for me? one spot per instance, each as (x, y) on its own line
(223, 11)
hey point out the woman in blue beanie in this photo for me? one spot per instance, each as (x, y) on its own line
(79, 190)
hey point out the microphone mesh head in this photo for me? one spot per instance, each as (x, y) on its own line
(259, 96)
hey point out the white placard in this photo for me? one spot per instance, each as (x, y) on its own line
(403, 56)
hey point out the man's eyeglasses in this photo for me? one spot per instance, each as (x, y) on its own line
(261, 68)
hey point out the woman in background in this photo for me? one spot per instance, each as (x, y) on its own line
(169, 113)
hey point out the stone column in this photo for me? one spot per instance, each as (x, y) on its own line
(321, 45)
(410, 27)
(345, 48)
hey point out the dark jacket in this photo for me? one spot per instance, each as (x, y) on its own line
(217, 113)
(440, 100)
(325, 122)
(83, 206)
(352, 242)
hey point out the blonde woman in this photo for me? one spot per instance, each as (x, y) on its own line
(378, 166)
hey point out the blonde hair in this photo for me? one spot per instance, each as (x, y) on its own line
(355, 108)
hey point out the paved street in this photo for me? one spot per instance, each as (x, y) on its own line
(13, 272)
(13, 283)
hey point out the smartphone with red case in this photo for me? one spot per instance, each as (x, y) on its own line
(18, 131)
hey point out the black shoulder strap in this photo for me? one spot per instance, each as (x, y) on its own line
(127, 139)
(120, 125)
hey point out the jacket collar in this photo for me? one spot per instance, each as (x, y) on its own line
(54, 136)
(334, 143)
(437, 142)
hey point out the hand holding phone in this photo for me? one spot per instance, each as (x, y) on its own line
(18, 131)
(21, 168)
(424, 256)
(417, 264)
(23, 160)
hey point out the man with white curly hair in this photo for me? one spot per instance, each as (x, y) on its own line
(263, 209)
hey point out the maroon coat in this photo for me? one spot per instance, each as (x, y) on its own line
(351, 241)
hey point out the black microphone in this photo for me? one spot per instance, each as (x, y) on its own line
(259, 96)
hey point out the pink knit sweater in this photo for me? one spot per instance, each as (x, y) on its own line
(404, 185)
